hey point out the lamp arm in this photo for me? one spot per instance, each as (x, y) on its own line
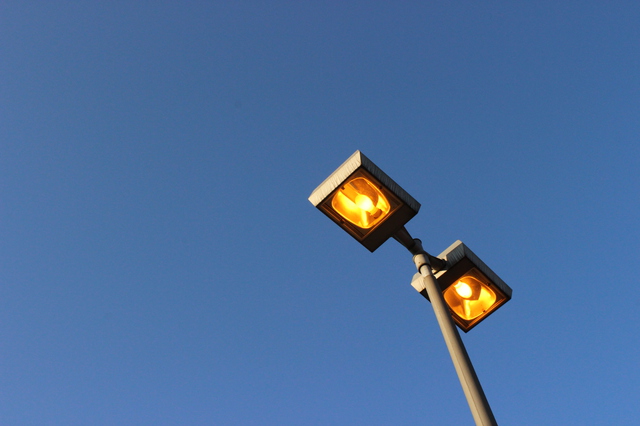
(414, 245)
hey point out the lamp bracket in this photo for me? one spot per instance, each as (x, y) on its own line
(414, 245)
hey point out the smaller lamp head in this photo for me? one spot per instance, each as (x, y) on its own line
(471, 290)
(364, 201)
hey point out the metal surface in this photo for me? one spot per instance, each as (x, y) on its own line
(356, 161)
(476, 398)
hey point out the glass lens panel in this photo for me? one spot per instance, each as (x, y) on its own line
(361, 203)
(469, 298)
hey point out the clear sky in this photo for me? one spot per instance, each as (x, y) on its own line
(160, 263)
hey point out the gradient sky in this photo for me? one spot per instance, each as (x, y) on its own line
(160, 263)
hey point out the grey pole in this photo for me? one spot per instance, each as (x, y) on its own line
(478, 403)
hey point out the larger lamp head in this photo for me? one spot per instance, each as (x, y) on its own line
(469, 287)
(364, 201)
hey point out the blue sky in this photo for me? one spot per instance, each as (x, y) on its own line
(159, 260)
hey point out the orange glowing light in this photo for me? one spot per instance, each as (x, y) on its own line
(469, 298)
(360, 202)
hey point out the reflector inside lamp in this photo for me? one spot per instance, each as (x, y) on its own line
(469, 298)
(361, 203)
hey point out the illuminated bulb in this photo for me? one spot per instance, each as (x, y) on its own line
(364, 202)
(463, 289)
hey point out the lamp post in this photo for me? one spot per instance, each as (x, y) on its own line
(372, 208)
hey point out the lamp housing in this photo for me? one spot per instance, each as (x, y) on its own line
(364, 201)
(470, 288)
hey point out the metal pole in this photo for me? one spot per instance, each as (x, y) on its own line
(478, 403)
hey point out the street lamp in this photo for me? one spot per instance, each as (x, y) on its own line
(470, 288)
(364, 201)
(372, 208)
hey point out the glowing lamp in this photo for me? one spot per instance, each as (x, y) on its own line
(469, 287)
(364, 201)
